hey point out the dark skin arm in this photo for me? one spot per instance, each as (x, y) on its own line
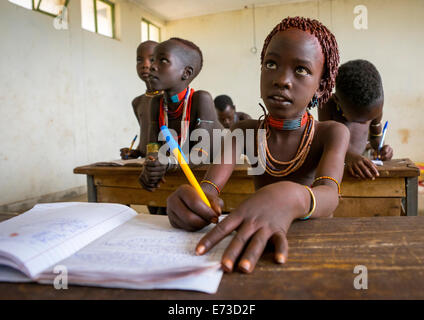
(203, 108)
(357, 165)
(376, 128)
(266, 215)
(126, 153)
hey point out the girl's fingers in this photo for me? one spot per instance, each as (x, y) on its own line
(281, 247)
(190, 220)
(236, 246)
(254, 251)
(219, 232)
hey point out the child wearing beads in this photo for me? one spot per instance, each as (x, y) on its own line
(303, 159)
(175, 63)
(358, 104)
(141, 103)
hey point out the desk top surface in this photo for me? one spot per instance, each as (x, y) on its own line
(392, 168)
(322, 257)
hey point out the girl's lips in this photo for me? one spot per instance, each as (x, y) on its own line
(279, 100)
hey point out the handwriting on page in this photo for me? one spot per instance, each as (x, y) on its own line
(139, 246)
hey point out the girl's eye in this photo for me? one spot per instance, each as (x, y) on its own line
(163, 60)
(270, 65)
(302, 71)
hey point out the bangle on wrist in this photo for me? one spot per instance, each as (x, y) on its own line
(172, 164)
(212, 184)
(312, 205)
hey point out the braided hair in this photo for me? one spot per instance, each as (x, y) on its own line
(328, 45)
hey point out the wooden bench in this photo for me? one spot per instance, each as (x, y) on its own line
(393, 193)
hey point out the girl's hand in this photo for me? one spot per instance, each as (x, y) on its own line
(386, 153)
(186, 210)
(153, 173)
(361, 167)
(264, 216)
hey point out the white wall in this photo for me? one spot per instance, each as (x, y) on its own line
(65, 97)
(393, 42)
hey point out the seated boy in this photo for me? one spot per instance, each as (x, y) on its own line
(226, 111)
(302, 160)
(358, 103)
(140, 103)
(176, 62)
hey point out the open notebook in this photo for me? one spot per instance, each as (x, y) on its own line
(107, 245)
(121, 163)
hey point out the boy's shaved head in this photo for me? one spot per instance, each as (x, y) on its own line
(191, 54)
(145, 44)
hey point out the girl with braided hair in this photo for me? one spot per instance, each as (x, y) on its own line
(302, 159)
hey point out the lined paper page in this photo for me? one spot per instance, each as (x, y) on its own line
(49, 233)
(146, 249)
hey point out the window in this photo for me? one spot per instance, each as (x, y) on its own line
(98, 16)
(149, 31)
(50, 7)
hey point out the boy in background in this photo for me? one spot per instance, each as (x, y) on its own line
(140, 103)
(358, 104)
(175, 64)
(226, 111)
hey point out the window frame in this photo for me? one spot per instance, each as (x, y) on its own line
(148, 29)
(45, 12)
(112, 7)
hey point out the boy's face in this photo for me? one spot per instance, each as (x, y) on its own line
(144, 55)
(360, 115)
(166, 71)
(226, 117)
(291, 73)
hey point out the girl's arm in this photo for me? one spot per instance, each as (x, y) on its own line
(268, 214)
(185, 208)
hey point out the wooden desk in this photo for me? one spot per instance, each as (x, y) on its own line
(394, 193)
(323, 254)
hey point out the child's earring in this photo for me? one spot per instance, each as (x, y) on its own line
(314, 102)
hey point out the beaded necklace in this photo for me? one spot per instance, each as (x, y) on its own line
(265, 157)
(183, 110)
(153, 93)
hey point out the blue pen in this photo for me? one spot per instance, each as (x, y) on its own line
(382, 138)
(132, 143)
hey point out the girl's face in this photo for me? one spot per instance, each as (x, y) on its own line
(291, 73)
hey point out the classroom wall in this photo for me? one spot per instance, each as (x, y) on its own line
(393, 42)
(65, 97)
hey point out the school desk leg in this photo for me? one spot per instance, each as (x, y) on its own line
(91, 189)
(411, 196)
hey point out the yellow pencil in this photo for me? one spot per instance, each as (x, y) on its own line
(175, 149)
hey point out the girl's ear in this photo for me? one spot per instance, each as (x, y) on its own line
(187, 73)
(321, 89)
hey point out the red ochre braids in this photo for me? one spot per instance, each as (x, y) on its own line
(328, 45)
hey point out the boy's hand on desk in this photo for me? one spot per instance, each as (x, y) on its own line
(186, 210)
(152, 174)
(361, 167)
(127, 154)
(258, 219)
(386, 153)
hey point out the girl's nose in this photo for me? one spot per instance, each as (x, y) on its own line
(283, 81)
